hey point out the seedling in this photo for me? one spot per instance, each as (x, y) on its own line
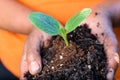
(53, 27)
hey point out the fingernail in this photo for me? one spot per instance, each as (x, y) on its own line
(116, 57)
(110, 74)
(34, 67)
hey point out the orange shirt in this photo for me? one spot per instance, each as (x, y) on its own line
(11, 44)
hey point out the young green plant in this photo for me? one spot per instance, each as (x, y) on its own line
(53, 27)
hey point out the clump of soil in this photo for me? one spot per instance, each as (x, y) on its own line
(83, 59)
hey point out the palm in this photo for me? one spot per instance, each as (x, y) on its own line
(102, 28)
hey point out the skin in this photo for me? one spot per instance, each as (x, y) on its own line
(100, 21)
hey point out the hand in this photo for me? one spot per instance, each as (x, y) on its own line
(101, 27)
(31, 60)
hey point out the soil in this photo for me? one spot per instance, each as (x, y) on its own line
(83, 59)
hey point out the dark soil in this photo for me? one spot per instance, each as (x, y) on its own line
(83, 59)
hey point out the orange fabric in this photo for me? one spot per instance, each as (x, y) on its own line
(59, 9)
(12, 44)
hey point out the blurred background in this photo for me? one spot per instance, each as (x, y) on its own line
(5, 74)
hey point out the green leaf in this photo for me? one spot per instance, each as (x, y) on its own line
(75, 20)
(45, 23)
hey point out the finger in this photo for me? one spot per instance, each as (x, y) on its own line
(33, 52)
(46, 43)
(36, 40)
(111, 49)
(31, 46)
(23, 65)
(108, 39)
(34, 61)
(47, 40)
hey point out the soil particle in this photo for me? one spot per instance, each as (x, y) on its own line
(83, 59)
(98, 24)
(102, 34)
(96, 13)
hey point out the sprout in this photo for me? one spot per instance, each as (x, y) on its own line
(53, 27)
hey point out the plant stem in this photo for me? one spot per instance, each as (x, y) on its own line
(66, 40)
(63, 34)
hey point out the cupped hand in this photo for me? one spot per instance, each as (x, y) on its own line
(101, 26)
(31, 60)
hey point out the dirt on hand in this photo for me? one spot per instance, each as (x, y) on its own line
(83, 59)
